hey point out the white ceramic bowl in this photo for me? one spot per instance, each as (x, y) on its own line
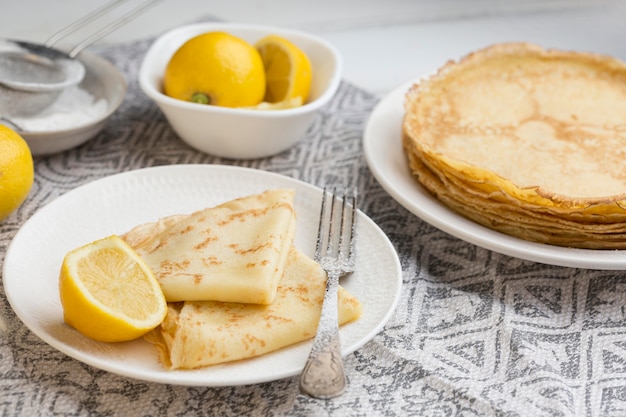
(240, 133)
(102, 80)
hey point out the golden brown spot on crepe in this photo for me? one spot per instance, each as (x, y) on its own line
(302, 292)
(352, 302)
(206, 242)
(210, 351)
(242, 216)
(212, 261)
(197, 278)
(162, 243)
(257, 248)
(249, 341)
(254, 213)
(256, 264)
(268, 319)
(169, 267)
(187, 229)
(234, 318)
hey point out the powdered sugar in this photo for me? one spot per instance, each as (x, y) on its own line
(74, 107)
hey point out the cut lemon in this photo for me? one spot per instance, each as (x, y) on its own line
(281, 105)
(108, 293)
(287, 69)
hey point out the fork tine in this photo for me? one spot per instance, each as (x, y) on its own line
(341, 249)
(319, 245)
(333, 236)
(350, 212)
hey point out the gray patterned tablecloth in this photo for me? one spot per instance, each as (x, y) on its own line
(476, 333)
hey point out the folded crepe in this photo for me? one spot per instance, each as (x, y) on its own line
(234, 252)
(201, 333)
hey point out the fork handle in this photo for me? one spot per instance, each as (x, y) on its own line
(323, 375)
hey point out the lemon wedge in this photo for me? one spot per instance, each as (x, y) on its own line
(287, 69)
(281, 105)
(108, 293)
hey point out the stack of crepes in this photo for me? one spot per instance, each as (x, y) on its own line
(235, 285)
(527, 141)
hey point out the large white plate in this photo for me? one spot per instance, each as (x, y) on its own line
(386, 159)
(117, 203)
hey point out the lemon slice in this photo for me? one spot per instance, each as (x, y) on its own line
(108, 293)
(287, 69)
(281, 105)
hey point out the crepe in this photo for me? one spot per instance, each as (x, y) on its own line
(537, 225)
(234, 252)
(526, 141)
(197, 334)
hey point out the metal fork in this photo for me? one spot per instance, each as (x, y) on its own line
(323, 375)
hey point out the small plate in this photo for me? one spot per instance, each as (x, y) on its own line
(117, 203)
(387, 161)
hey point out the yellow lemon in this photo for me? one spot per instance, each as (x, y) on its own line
(108, 293)
(16, 171)
(216, 68)
(287, 69)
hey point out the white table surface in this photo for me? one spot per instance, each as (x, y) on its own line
(383, 43)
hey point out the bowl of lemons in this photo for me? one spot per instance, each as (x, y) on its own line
(240, 91)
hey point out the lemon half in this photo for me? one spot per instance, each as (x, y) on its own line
(287, 69)
(108, 293)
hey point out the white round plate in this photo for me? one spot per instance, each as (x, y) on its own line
(387, 161)
(117, 203)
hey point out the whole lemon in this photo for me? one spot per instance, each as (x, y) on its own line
(16, 171)
(216, 68)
